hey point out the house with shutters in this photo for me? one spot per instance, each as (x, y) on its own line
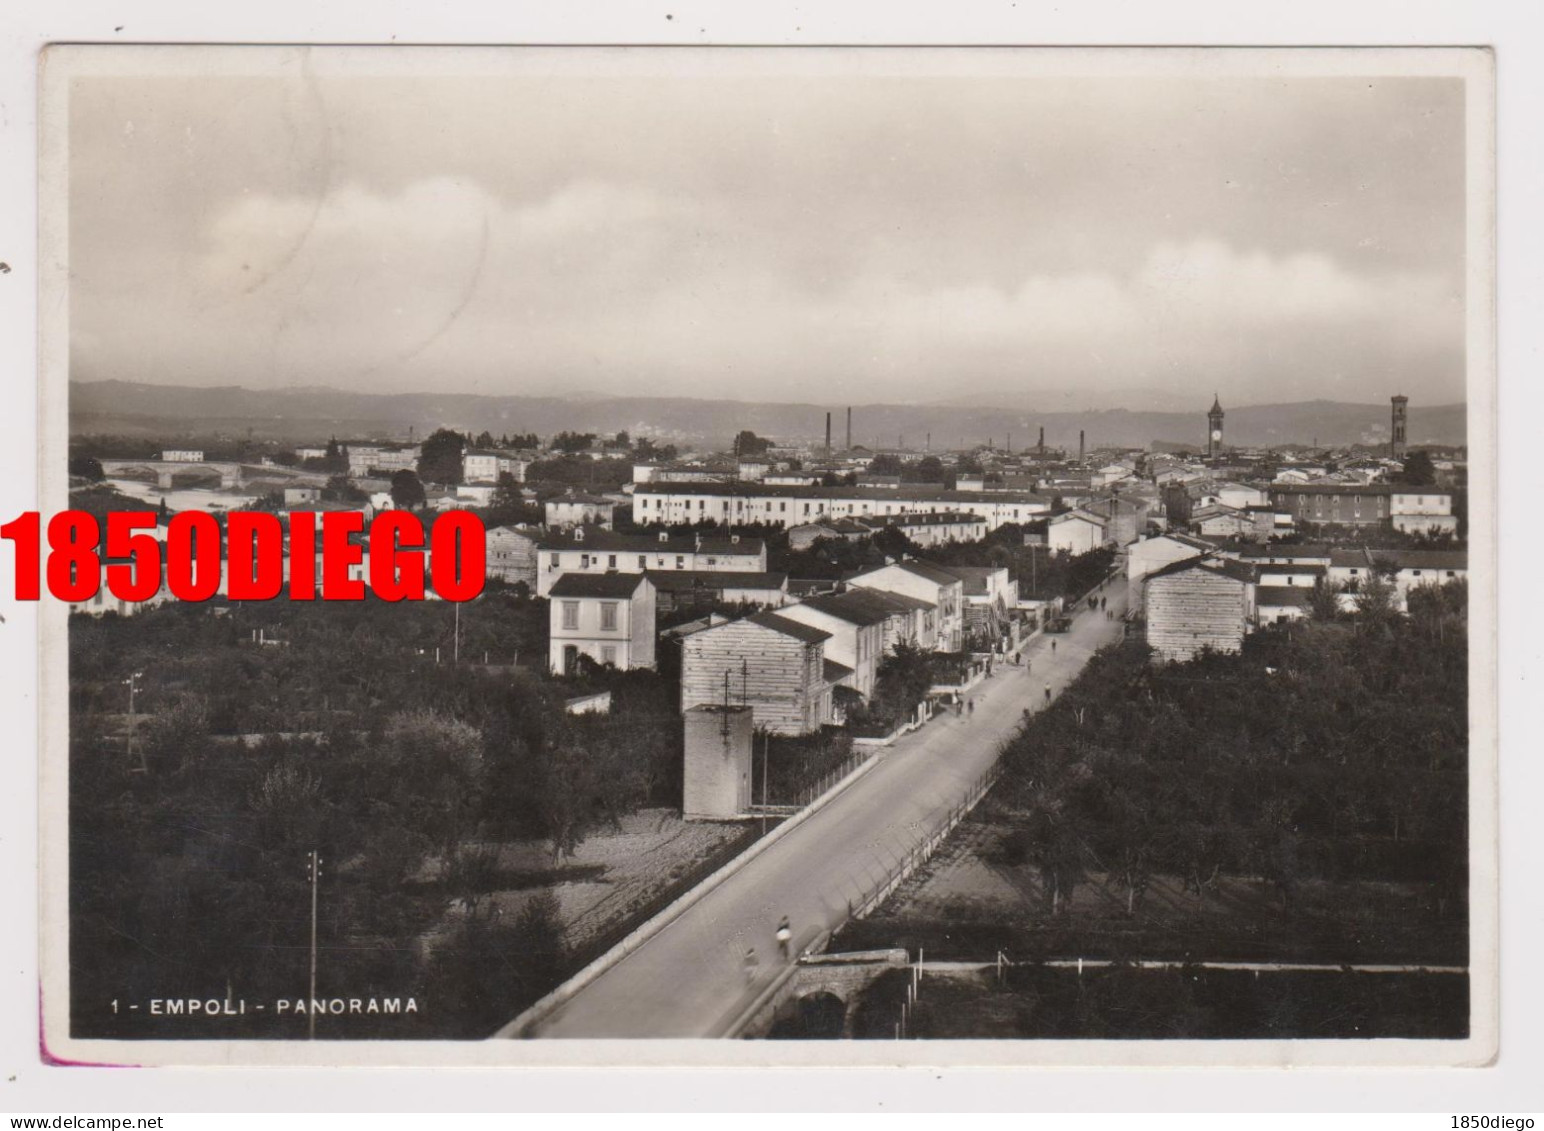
(608, 617)
(855, 621)
(589, 549)
(691, 588)
(775, 666)
(991, 598)
(924, 581)
(574, 509)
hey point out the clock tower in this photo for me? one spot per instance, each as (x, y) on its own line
(1214, 429)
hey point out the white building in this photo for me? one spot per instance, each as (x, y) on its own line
(592, 550)
(607, 617)
(923, 581)
(1074, 532)
(736, 504)
(568, 511)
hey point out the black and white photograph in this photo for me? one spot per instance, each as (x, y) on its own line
(987, 556)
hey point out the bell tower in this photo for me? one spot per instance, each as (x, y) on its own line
(1397, 426)
(1214, 429)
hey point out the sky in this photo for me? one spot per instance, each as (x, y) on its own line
(772, 232)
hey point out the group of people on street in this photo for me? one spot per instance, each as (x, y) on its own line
(784, 933)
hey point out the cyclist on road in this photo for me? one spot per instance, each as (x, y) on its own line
(785, 939)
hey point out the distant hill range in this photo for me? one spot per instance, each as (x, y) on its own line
(297, 415)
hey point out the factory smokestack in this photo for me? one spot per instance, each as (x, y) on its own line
(828, 431)
(1080, 445)
(849, 428)
(1042, 439)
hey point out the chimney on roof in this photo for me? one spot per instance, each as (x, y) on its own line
(849, 428)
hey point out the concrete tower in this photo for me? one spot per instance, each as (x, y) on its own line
(1401, 408)
(1214, 429)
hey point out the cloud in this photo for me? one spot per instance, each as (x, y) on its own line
(600, 284)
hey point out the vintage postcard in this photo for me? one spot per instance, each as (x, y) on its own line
(768, 556)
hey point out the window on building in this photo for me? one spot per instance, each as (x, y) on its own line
(608, 616)
(584, 561)
(608, 655)
(554, 562)
(570, 614)
(611, 561)
(643, 561)
(680, 561)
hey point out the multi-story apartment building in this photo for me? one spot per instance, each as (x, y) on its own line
(734, 504)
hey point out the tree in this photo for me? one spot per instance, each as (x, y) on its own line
(406, 491)
(747, 443)
(622, 437)
(484, 439)
(336, 459)
(1324, 601)
(929, 469)
(439, 460)
(1418, 470)
(572, 443)
(88, 468)
(885, 464)
(340, 489)
(430, 770)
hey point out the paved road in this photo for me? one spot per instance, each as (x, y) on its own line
(689, 980)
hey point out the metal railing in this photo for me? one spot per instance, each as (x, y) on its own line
(899, 868)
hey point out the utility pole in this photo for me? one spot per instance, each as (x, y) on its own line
(456, 658)
(314, 871)
(132, 681)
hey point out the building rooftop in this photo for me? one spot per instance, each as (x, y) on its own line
(615, 586)
(793, 628)
(855, 606)
(835, 672)
(1238, 571)
(685, 580)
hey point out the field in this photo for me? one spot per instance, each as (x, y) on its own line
(970, 901)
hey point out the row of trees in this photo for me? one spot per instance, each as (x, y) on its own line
(189, 849)
(1330, 750)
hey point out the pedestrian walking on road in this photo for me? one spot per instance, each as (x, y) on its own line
(751, 962)
(1053, 646)
(970, 705)
(785, 939)
(1048, 693)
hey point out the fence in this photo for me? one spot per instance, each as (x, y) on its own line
(904, 866)
(819, 785)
